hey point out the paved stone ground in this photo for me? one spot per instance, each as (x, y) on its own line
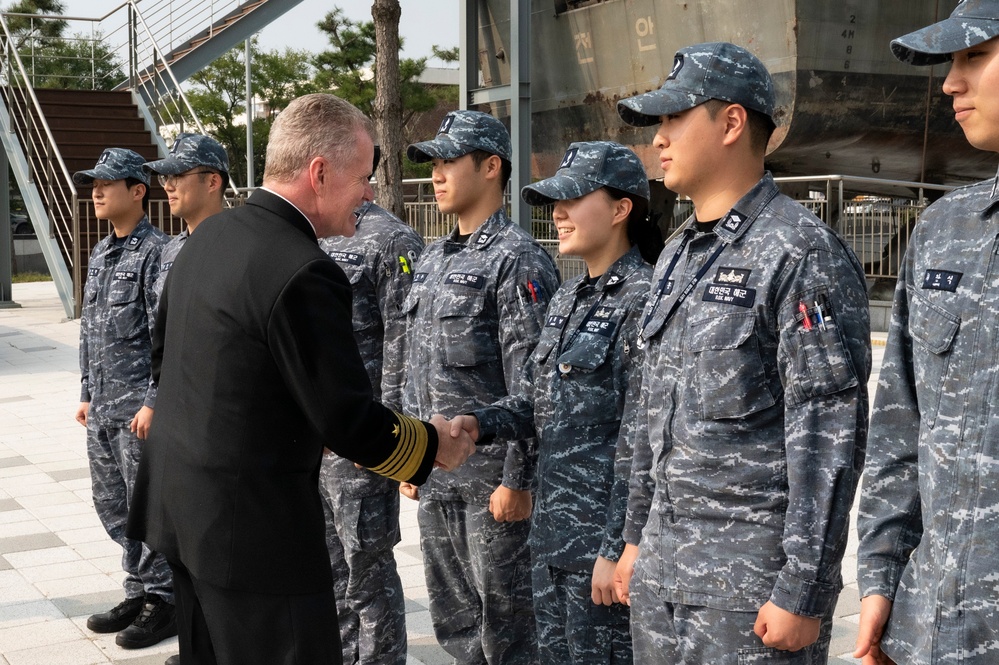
(57, 565)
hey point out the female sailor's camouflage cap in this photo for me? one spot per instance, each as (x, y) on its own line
(115, 164)
(715, 70)
(585, 168)
(462, 132)
(971, 23)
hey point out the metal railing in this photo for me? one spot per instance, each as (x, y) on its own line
(122, 49)
(171, 24)
(174, 23)
(46, 168)
(876, 226)
(119, 49)
(874, 216)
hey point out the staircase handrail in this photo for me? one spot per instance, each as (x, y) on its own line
(15, 57)
(61, 227)
(166, 67)
(64, 17)
(176, 88)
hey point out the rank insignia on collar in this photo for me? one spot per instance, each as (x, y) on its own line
(733, 222)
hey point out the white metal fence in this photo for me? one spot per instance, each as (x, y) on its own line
(877, 227)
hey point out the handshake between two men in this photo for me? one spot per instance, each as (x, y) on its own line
(455, 440)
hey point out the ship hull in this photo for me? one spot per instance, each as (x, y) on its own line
(844, 104)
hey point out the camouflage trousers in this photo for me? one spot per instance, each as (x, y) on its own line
(572, 629)
(479, 582)
(371, 608)
(114, 459)
(671, 634)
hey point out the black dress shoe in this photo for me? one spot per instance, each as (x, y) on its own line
(173, 660)
(118, 617)
(155, 623)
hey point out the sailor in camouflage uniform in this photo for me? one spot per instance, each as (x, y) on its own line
(927, 523)
(194, 177)
(117, 392)
(361, 507)
(578, 378)
(757, 360)
(474, 316)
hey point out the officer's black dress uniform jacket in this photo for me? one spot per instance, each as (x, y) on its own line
(258, 370)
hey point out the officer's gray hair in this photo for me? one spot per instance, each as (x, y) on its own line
(316, 125)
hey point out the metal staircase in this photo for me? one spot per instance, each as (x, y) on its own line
(53, 125)
(218, 26)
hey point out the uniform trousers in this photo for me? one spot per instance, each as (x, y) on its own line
(672, 634)
(218, 626)
(371, 607)
(114, 459)
(572, 629)
(479, 582)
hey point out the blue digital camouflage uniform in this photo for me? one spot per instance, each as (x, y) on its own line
(927, 520)
(474, 317)
(168, 256)
(578, 378)
(926, 527)
(756, 416)
(362, 508)
(119, 304)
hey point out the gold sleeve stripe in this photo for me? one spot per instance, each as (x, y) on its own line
(411, 446)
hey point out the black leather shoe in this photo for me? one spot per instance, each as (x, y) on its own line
(173, 660)
(155, 623)
(118, 617)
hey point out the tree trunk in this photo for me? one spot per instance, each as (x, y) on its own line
(388, 105)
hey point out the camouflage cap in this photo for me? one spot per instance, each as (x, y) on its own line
(115, 164)
(189, 151)
(462, 132)
(585, 168)
(972, 22)
(716, 70)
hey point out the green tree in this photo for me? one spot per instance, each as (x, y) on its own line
(349, 67)
(218, 97)
(29, 32)
(447, 99)
(79, 62)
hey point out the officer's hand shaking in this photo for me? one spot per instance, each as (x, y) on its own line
(468, 424)
(452, 449)
(505, 504)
